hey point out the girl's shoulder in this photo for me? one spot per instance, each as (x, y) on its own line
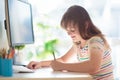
(95, 39)
(100, 41)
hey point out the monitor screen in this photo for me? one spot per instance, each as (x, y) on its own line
(19, 22)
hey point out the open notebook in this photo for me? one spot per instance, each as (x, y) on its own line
(22, 69)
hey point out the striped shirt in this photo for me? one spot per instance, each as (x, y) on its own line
(106, 69)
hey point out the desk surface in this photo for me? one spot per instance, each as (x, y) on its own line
(48, 74)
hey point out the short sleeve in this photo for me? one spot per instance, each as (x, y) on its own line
(96, 43)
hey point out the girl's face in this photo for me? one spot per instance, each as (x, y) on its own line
(73, 32)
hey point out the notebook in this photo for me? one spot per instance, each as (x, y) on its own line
(22, 69)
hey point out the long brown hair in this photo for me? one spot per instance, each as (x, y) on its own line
(79, 16)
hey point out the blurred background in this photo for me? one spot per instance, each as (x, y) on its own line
(50, 36)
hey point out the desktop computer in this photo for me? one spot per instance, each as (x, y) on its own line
(18, 24)
(19, 27)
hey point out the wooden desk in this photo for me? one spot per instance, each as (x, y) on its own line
(48, 74)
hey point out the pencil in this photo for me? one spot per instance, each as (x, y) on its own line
(54, 55)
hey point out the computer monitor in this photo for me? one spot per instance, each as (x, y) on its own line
(19, 26)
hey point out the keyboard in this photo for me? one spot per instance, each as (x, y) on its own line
(22, 69)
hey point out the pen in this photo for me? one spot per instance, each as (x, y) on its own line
(54, 55)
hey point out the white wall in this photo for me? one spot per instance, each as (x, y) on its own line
(3, 37)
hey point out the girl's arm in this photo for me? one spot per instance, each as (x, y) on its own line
(47, 63)
(96, 51)
(89, 66)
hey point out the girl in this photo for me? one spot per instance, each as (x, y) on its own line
(89, 47)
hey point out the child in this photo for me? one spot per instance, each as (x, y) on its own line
(89, 47)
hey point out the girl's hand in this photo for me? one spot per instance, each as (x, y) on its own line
(34, 65)
(56, 65)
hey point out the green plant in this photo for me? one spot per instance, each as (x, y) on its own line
(19, 47)
(43, 26)
(45, 50)
(49, 47)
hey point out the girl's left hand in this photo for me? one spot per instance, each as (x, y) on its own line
(56, 65)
